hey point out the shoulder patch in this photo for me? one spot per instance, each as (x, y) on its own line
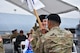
(52, 34)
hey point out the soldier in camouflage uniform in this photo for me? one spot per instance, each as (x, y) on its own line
(1, 46)
(37, 34)
(56, 40)
(14, 34)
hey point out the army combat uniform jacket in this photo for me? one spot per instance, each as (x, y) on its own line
(57, 41)
(37, 34)
(1, 47)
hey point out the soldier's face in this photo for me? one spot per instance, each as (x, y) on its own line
(21, 34)
(44, 23)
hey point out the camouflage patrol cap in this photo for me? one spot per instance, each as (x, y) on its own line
(54, 17)
(41, 18)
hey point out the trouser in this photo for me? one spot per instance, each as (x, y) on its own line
(16, 46)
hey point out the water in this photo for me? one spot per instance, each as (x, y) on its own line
(9, 32)
(5, 32)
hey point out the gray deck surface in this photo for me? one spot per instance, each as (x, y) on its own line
(8, 48)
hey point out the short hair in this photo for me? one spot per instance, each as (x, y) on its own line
(54, 17)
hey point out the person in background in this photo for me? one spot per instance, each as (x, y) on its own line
(77, 31)
(27, 43)
(56, 40)
(14, 34)
(19, 38)
(1, 45)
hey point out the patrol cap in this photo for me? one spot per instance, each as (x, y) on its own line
(12, 31)
(54, 17)
(15, 29)
(42, 17)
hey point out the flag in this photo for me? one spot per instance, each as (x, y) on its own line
(34, 4)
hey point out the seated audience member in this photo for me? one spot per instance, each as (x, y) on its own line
(19, 38)
(28, 44)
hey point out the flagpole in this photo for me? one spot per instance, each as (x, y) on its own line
(37, 17)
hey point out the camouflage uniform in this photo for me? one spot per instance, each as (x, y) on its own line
(1, 47)
(57, 41)
(13, 36)
(36, 41)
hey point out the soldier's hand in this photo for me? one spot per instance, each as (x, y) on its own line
(43, 31)
(30, 37)
(0, 39)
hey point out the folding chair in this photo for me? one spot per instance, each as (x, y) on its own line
(74, 50)
(22, 45)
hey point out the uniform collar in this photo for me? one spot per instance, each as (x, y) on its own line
(54, 28)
